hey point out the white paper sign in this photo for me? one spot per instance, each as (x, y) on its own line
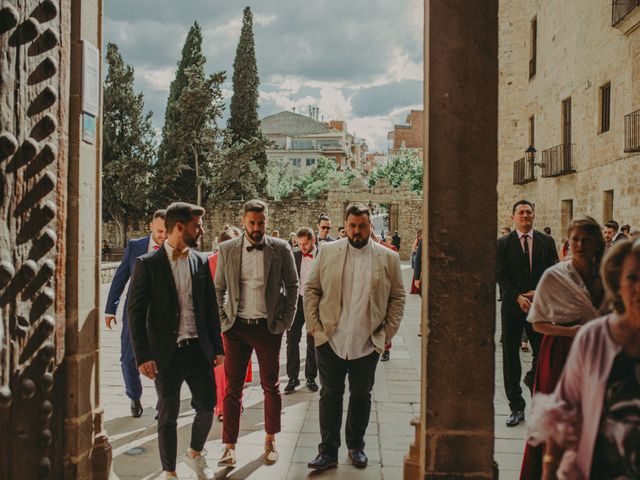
(90, 78)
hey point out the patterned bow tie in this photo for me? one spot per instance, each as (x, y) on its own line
(310, 255)
(176, 254)
(156, 247)
(258, 247)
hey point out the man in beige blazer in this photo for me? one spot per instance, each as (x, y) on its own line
(257, 289)
(353, 304)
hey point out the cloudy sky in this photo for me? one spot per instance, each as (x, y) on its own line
(357, 60)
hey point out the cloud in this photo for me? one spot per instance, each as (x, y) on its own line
(354, 62)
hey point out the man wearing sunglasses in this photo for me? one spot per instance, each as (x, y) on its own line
(324, 229)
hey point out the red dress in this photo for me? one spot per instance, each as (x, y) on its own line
(218, 372)
(552, 357)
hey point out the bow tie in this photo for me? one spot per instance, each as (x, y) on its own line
(176, 254)
(156, 247)
(258, 247)
(310, 255)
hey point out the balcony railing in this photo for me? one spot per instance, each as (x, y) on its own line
(557, 161)
(523, 172)
(632, 132)
(621, 8)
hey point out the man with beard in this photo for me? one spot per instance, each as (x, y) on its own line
(304, 257)
(353, 304)
(135, 248)
(257, 291)
(175, 331)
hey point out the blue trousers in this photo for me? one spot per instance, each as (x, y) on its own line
(130, 373)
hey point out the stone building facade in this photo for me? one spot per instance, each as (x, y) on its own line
(570, 87)
(295, 211)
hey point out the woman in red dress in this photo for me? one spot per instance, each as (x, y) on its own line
(569, 294)
(221, 380)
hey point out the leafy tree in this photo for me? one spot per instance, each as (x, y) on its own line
(244, 124)
(404, 166)
(281, 178)
(128, 146)
(195, 137)
(318, 180)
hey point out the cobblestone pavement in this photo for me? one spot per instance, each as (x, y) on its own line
(396, 400)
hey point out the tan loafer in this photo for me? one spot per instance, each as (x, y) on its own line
(270, 453)
(228, 458)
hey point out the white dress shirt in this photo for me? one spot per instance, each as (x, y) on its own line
(529, 242)
(153, 246)
(305, 269)
(182, 277)
(252, 303)
(352, 338)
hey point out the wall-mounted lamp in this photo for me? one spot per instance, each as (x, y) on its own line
(530, 156)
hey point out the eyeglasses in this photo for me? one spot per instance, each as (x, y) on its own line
(324, 228)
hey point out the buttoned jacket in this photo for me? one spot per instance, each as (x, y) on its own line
(281, 283)
(323, 293)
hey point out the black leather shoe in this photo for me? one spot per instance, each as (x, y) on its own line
(385, 356)
(516, 417)
(136, 408)
(322, 462)
(291, 386)
(358, 458)
(312, 385)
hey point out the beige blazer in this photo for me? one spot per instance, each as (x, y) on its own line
(323, 293)
(281, 289)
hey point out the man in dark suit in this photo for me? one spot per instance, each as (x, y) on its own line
(324, 229)
(304, 258)
(522, 257)
(135, 248)
(257, 290)
(175, 331)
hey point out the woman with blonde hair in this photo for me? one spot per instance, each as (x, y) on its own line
(569, 294)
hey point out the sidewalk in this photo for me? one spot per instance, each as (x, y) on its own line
(396, 400)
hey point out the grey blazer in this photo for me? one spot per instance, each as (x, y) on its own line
(281, 289)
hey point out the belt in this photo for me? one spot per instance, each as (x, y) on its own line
(251, 321)
(185, 342)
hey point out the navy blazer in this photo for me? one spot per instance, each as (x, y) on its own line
(512, 267)
(154, 308)
(135, 248)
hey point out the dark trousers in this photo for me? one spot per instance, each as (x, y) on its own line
(188, 364)
(240, 341)
(512, 325)
(294, 335)
(333, 370)
(130, 373)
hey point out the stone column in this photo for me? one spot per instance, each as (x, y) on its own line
(87, 452)
(455, 431)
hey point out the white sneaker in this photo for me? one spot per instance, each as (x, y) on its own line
(228, 458)
(271, 455)
(199, 465)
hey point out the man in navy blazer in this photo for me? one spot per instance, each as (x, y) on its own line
(135, 248)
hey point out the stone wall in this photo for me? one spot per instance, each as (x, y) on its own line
(297, 211)
(577, 52)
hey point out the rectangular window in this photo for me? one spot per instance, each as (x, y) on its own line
(605, 108)
(566, 135)
(566, 214)
(607, 206)
(311, 162)
(301, 145)
(296, 162)
(534, 48)
(532, 130)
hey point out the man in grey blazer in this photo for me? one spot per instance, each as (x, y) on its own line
(353, 304)
(257, 290)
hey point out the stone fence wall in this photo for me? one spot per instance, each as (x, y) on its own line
(295, 211)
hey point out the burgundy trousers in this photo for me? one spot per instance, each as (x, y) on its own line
(240, 341)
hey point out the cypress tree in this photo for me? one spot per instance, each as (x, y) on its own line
(244, 124)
